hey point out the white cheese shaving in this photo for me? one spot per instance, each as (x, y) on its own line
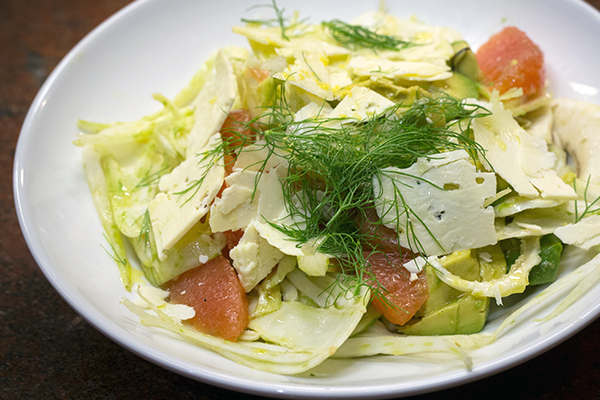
(179, 312)
(152, 294)
(277, 213)
(486, 257)
(584, 234)
(360, 104)
(253, 159)
(520, 158)
(156, 297)
(253, 258)
(173, 212)
(309, 73)
(310, 118)
(212, 105)
(250, 195)
(415, 265)
(443, 220)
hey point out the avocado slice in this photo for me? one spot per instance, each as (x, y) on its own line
(459, 263)
(459, 87)
(550, 251)
(449, 311)
(464, 316)
(464, 61)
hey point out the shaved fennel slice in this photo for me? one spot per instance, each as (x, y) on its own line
(99, 188)
(261, 356)
(515, 281)
(585, 277)
(302, 327)
(378, 340)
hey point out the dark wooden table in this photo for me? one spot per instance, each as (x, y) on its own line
(48, 352)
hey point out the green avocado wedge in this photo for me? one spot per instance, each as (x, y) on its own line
(547, 270)
(449, 311)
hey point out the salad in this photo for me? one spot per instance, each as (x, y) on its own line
(346, 190)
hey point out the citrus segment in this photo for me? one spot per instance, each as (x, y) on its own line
(400, 297)
(214, 291)
(511, 60)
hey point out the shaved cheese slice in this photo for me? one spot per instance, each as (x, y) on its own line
(252, 158)
(310, 118)
(253, 258)
(186, 194)
(444, 198)
(338, 78)
(155, 296)
(309, 73)
(278, 239)
(520, 158)
(239, 203)
(212, 105)
(584, 234)
(360, 104)
(235, 208)
(273, 211)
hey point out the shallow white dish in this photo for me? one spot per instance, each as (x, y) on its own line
(156, 46)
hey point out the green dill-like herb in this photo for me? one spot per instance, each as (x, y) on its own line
(114, 254)
(332, 163)
(194, 186)
(280, 19)
(145, 230)
(588, 206)
(355, 37)
(311, 68)
(151, 178)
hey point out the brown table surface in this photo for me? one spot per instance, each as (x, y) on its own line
(48, 351)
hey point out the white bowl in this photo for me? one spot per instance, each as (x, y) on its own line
(156, 46)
